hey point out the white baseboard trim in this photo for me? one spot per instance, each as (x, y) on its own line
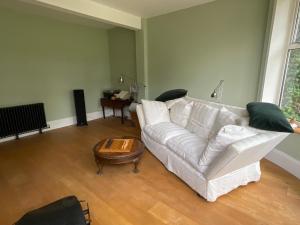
(285, 161)
(68, 121)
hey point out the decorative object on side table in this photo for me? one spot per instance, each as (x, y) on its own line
(133, 86)
(118, 151)
(109, 93)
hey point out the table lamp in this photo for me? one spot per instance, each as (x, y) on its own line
(218, 92)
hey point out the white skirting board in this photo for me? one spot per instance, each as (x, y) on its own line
(285, 161)
(55, 124)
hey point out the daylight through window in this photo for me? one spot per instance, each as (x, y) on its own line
(290, 97)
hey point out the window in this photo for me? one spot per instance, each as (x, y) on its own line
(290, 93)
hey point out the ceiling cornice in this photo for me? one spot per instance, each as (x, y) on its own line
(91, 9)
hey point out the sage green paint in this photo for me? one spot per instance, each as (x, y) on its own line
(197, 47)
(43, 60)
(142, 60)
(291, 146)
(122, 53)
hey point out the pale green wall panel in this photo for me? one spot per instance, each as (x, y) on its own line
(142, 60)
(43, 60)
(197, 47)
(291, 146)
(122, 52)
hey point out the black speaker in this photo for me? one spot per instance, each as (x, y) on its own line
(80, 107)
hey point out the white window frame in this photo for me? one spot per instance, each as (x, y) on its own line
(296, 22)
(279, 33)
(292, 45)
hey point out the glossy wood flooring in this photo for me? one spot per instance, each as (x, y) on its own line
(42, 168)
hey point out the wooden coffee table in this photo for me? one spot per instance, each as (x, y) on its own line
(133, 156)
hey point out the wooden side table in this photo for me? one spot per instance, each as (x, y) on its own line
(111, 158)
(114, 104)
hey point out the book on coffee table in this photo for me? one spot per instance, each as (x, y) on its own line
(117, 145)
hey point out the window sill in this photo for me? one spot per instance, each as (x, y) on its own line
(297, 130)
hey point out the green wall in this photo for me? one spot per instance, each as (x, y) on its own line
(122, 53)
(197, 47)
(142, 60)
(43, 60)
(291, 146)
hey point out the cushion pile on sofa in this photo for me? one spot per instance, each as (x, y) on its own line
(196, 132)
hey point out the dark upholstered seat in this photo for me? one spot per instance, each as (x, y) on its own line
(66, 211)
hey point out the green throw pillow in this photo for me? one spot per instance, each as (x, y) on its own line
(267, 116)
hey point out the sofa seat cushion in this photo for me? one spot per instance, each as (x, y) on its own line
(162, 132)
(188, 146)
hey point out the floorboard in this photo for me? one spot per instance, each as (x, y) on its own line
(42, 168)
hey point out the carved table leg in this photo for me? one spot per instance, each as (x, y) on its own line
(99, 172)
(103, 111)
(122, 115)
(100, 166)
(136, 163)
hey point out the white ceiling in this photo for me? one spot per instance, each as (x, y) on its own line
(150, 8)
(138, 8)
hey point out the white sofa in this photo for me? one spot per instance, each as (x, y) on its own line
(180, 147)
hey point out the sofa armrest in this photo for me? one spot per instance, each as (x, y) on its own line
(244, 153)
(140, 114)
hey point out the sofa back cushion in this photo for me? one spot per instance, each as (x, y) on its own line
(219, 143)
(202, 120)
(172, 102)
(237, 110)
(180, 112)
(155, 112)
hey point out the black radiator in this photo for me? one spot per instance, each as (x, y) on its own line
(20, 119)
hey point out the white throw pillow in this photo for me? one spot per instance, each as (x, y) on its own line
(155, 112)
(225, 117)
(180, 112)
(219, 143)
(202, 120)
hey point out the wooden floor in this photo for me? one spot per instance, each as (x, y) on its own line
(42, 168)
